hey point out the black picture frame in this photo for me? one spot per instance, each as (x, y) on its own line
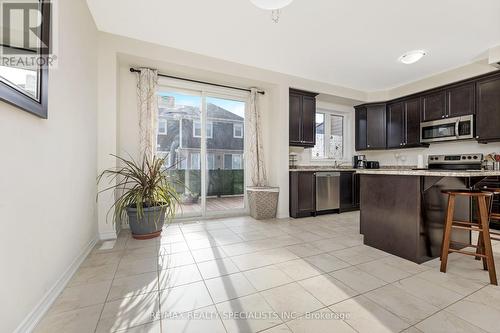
(16, 98)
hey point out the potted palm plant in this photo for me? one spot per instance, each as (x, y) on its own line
(144, 193)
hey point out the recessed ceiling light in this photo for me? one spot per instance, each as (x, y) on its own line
(411, 57)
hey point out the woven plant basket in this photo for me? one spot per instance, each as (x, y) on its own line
(263, 202)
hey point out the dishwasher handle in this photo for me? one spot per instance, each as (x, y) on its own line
(327, 174)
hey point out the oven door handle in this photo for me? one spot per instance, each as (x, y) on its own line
(457, 127)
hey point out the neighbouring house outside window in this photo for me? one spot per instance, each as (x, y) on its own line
(197, 129)
(329, 137)
(238, 130)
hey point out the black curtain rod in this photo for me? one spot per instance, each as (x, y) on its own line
(135, 70)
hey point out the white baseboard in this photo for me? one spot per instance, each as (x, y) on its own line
(32, 319)
(107, 235)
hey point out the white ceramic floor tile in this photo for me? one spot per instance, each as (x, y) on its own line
(80, 296)
(100, 259)
(383, 271)
(228, 287)
(291, 300)
(95, 274)
(327, 289)
(444, 322)
(456, 283)
(133, 285)
(134, 267)
(428, 291)
(406, 306)
(267, 277)
(256, 304)
(299, 269)
(359, 254)
(326, 262)
(128, 312)
(76, 321)
(178, 276)
(185, 298)
(357, 279)
(207, 254)
(172, 260)
(481, 309)
(216, 268)
(367, 316)
(304, 250)
(328, 245)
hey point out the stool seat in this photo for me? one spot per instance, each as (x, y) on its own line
(493, 190)
(483, 247)
(469, 193)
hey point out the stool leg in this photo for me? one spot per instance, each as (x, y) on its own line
(445, 247)
(483, 210)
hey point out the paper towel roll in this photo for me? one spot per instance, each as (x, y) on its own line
(420, 161)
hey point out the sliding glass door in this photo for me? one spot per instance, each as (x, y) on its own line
(202, 133)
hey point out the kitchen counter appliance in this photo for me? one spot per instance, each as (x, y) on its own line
(327, 191)
(455, 162)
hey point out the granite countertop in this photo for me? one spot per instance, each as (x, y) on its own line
(410, 172)
(319, 168)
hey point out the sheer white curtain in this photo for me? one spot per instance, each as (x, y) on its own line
(256, 153)
(147, 84)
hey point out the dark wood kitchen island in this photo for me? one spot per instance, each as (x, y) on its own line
(403, 211)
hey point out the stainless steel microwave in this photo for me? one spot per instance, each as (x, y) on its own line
(448, 129)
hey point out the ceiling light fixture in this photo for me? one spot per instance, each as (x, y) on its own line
(274, 6)
(411, 57)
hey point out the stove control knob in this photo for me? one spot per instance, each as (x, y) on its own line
(468, 157)
(475, 157)
(463, 157)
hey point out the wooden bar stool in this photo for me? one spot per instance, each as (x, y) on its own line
(482, 227)
(492, 216)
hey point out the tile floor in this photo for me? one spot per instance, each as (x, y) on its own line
(241, 275)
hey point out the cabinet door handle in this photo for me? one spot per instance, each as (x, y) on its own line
(442, 116)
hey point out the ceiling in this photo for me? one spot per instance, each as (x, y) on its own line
(352, 43)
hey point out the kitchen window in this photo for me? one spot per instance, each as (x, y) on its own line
(329, 137)
(238, 131)
(197, 129)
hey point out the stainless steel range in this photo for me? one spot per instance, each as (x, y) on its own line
(455, 162)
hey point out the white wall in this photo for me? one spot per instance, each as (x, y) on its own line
(47, 173)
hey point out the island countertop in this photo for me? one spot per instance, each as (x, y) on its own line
(430, 173)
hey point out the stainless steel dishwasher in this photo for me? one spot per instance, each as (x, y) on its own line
(327, 191)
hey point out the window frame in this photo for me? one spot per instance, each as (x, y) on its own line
(327, 133)
(241, 126)
(13, 96)
(160, 121)
(210, 125)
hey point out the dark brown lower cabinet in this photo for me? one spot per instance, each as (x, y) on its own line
(349, 191)
(302, 193)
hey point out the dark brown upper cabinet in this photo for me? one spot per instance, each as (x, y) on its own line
(395, 125)
(488, 109)
(403, 124)
(454, 101)
(434, 106)
(370, 123)
(302, 121)
(460, 100)
(376, 126)
(360, 128)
